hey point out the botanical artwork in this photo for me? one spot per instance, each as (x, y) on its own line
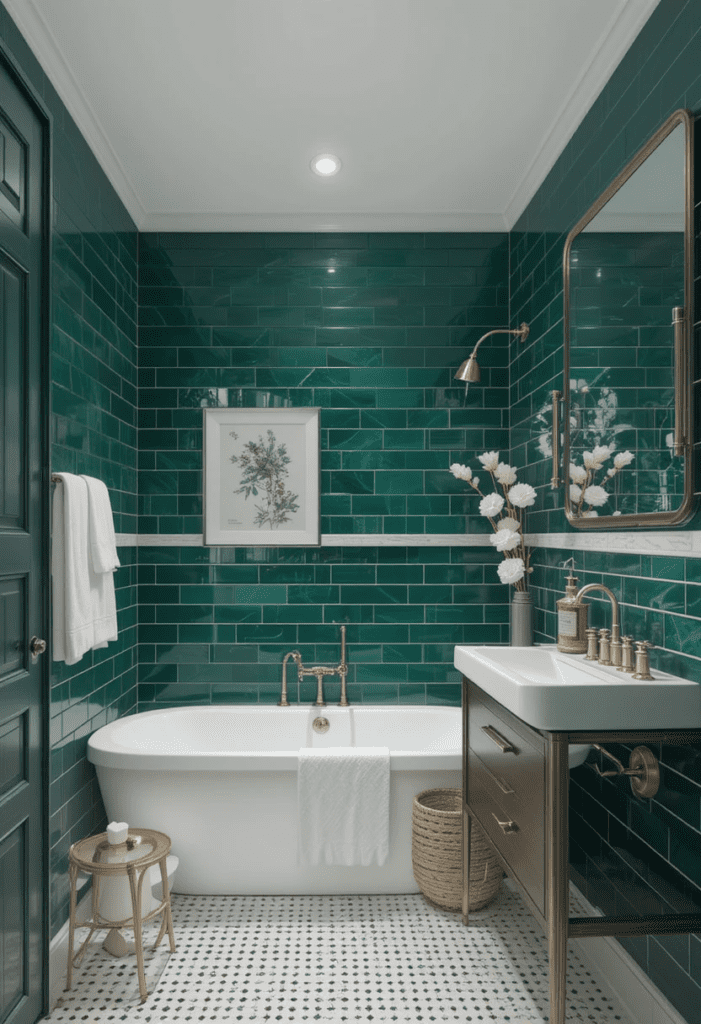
(264, 465)
(261, 476)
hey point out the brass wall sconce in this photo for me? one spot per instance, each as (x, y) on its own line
(469, 371)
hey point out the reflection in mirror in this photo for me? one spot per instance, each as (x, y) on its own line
(627, 272)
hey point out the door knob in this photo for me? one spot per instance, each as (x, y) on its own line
(36, 647)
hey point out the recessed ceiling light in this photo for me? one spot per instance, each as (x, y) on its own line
(325, 165)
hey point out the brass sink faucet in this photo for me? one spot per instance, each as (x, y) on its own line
(319, 671)
(610, 652)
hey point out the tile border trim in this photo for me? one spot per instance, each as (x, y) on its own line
(681, 544)
(328, 540)
(678, 543)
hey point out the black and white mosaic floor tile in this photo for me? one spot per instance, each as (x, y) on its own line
(335, 960)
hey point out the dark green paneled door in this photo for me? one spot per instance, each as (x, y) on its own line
(22, 579)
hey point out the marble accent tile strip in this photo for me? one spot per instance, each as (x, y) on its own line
(683, 543)
(333, 540)
(126, 540)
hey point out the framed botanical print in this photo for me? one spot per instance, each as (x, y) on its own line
(261, 477)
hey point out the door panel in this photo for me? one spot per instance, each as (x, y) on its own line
(22, 554)
(12, 281)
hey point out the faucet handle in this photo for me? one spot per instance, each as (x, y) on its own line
(642, 659)
(626, 654)
(592, 646)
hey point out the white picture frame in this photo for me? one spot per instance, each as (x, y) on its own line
(261, 477)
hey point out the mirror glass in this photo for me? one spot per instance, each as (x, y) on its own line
(627, 268)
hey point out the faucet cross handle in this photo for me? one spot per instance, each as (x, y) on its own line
(626, 654)
(604, 647)
(592, 644)
(642, 659)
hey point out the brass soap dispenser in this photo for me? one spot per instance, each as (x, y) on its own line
(572, 620)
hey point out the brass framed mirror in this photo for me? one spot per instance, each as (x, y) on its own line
(628, 356)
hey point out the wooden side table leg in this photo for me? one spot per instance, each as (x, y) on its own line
(73, 875)
(136, 918)
(466, 837)
(557, 845)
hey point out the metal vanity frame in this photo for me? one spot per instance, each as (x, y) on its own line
(553, 911)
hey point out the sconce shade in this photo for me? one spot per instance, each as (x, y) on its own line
(469, 371)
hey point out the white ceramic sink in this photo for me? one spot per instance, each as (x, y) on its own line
(555, 691)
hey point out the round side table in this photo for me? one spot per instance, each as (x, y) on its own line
(143, 848)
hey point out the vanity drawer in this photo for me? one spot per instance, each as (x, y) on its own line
(505, 750)
(523, 848)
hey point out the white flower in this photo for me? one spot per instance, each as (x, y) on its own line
(475, 482)
(578, 474)
(590, 514)
(596, 458)
(490, 460)
(505, 540)
(617, 512)
(508, 523)
(600, 454)
(506, 475)
(511, 570)
(522, 495)
(461, 472)
(622, 459)
(596, 496)
(575, 493)
(491, 505)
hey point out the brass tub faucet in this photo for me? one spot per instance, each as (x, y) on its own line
(319, 671)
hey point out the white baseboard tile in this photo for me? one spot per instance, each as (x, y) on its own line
(619, 974)
(58, 953)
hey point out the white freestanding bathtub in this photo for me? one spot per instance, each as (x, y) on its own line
(222, 783)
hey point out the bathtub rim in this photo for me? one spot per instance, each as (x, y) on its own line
(103, 753)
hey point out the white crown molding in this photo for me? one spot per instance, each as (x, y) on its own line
(323, 222)
(47, 51)
(614, 44)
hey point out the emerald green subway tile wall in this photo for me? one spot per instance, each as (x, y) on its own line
(625, 853)
(370, 328)
(93, 431)
(657, 76)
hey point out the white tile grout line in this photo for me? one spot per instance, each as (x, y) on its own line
(684, 543)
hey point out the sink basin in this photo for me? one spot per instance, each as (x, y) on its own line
(555, 691)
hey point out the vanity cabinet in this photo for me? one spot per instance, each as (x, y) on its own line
(516, 786)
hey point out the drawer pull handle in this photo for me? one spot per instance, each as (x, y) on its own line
(506, 790)
(505, 826)
(495, 737)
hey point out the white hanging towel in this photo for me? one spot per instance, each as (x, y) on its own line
(84, 606)
(343, 805)
(103, 543)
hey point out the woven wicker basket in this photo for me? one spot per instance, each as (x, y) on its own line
(436, 852)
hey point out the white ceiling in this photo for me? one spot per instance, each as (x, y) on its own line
(446, 114)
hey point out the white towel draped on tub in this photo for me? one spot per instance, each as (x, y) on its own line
(84, 607)
(343, 802)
